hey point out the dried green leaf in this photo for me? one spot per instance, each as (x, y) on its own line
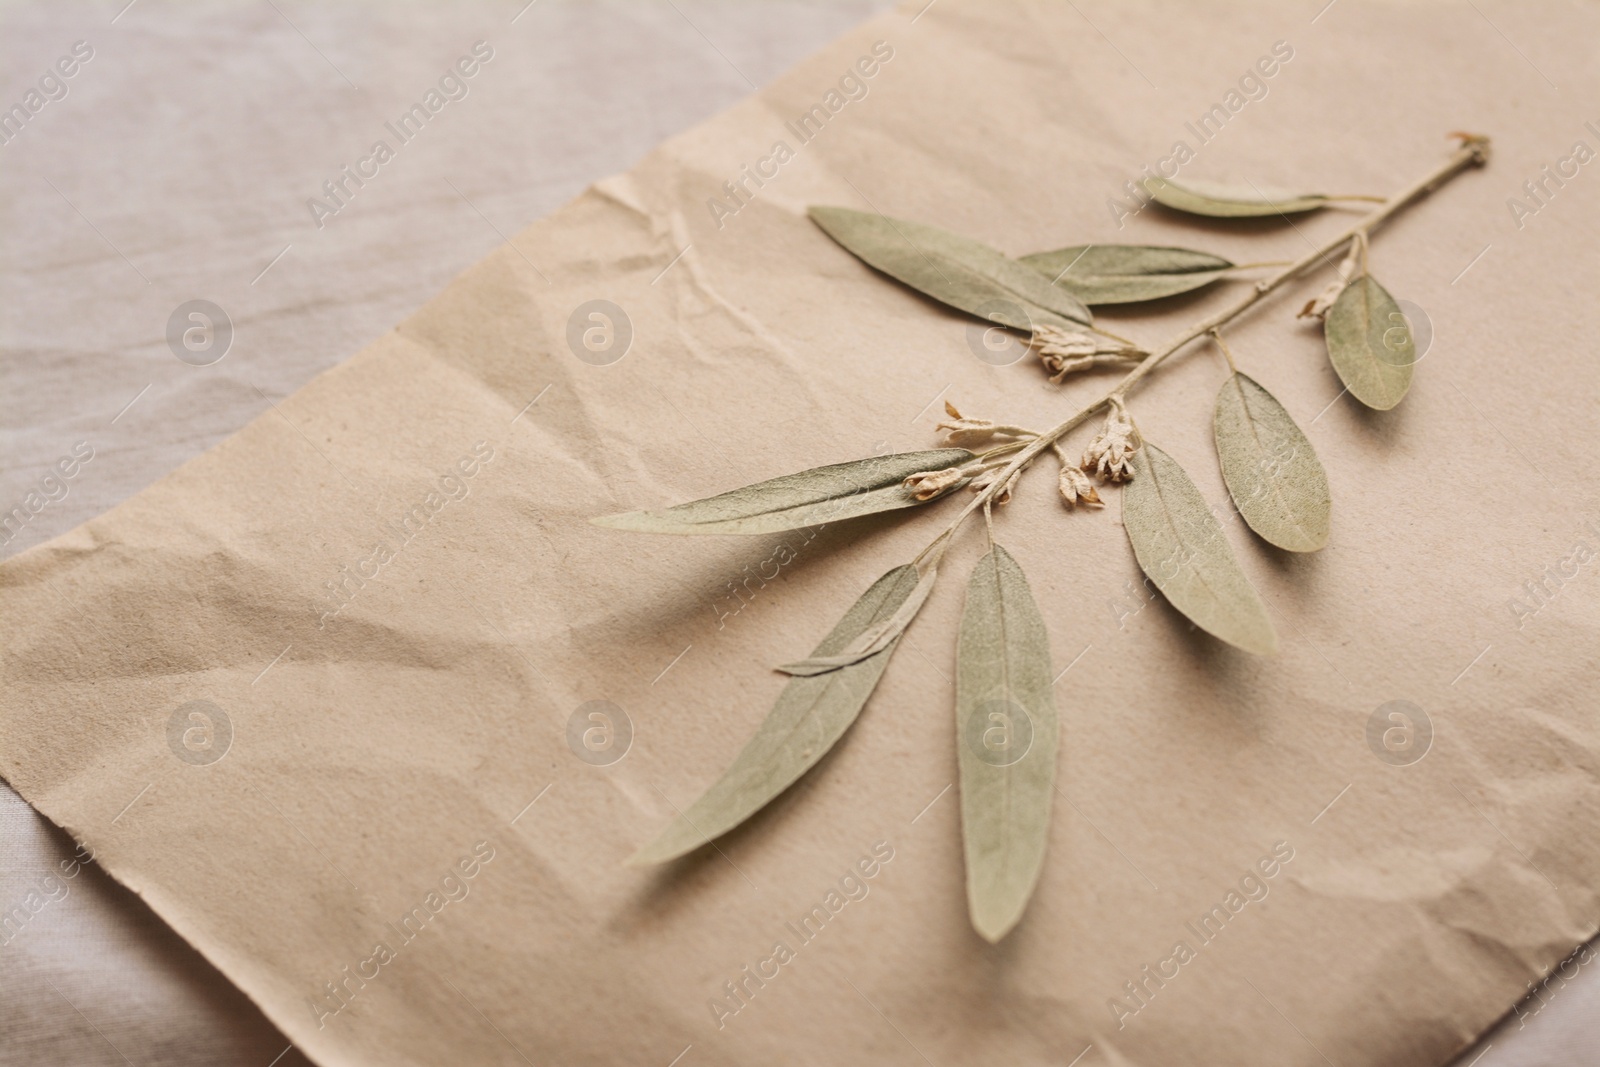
(1369, 343)
(874, 638)
(1125, 274)
(1006, 726)
(1228, 201)
(1182, 548)
(809, 498)
(965, 274)
(810, 715)
(1270, 467)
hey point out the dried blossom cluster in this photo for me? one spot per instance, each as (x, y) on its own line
(1065, 352)
(1109, 455)
(987, 478)
(926, 485)
(1076, 488)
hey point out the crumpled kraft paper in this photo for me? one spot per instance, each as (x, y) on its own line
(364, 707)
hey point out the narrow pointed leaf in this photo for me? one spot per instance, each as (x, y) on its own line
(874, 638)
(1271, 470)
(1370, 344)
(809, 498)
(810, 715)
(1006, 740)
(1180, 546)
(967, 275)
(1125, 274)
(1230, 202)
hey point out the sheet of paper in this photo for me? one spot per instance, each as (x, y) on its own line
(321, 695)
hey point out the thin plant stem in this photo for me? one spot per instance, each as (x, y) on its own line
(1216, 335)
(1007, 448)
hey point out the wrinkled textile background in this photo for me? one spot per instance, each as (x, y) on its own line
(1422, 899)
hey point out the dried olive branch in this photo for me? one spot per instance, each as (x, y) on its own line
(1004, 671)
(1473, 152)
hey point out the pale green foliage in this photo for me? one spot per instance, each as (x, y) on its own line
(809, 716)
(1127, 274)
(810, 498)
(1006, 737)
(1370, 345)
(1271, 471)
(1180, 545)
(1230, 201)
(955, 270)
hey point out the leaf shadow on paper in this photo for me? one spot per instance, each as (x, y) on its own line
(666, 888)
(1212, 666)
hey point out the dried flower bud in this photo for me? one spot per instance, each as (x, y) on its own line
(987, 478)
(1318, 307)
(1054, 341)
(963, 432)
(1477, 142)
(1060, 367)
(928, 484)
(1064, 352)
(1076, 488)
(1004, 496)
(1109, 453)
